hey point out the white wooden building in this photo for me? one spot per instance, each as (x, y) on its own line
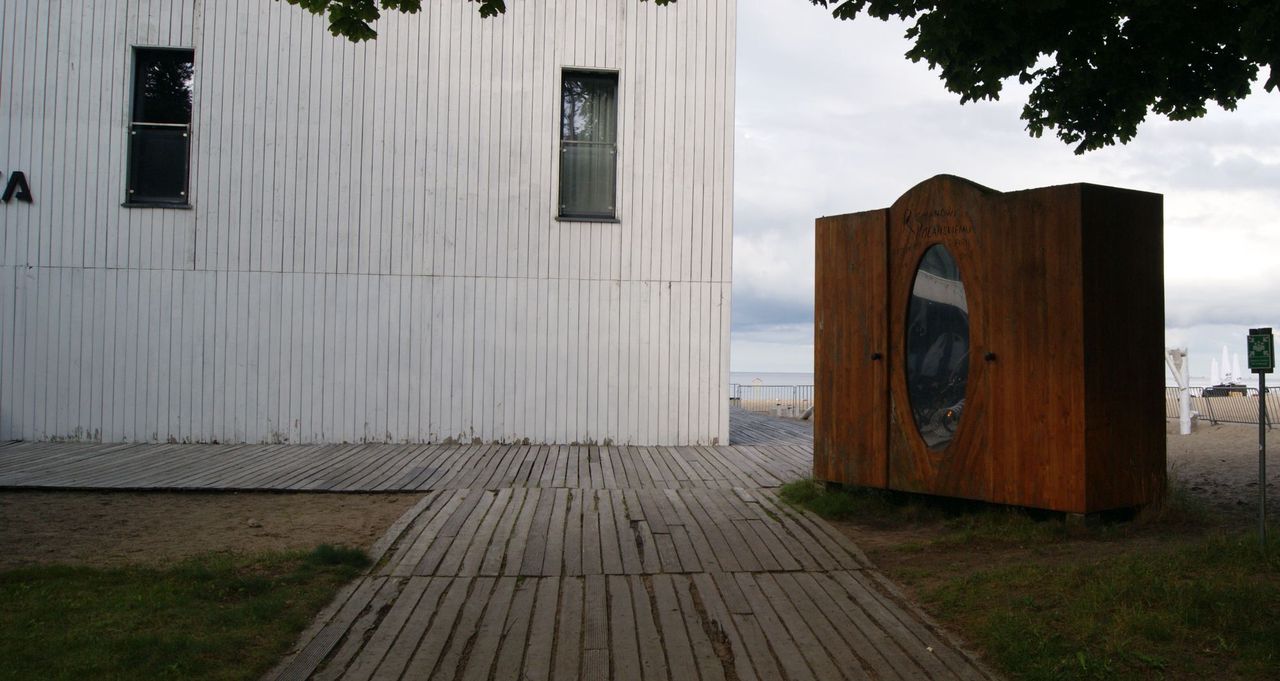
(344, 243)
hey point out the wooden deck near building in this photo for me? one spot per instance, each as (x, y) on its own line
(746, 427)
(529, 562)
(766, 453)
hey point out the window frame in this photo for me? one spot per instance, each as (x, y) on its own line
(560, 214)
(133, 125)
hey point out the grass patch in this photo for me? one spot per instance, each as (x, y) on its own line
(1204, 609)
(848, 503)
(212, 617)
(1168, 594)
(960, 521)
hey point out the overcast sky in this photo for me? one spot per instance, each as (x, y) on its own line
(831, 118)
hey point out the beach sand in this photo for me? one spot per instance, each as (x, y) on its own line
(1219, 464)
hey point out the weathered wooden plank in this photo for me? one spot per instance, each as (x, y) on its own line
(462, 530)
(505, 472)
(373, 651)
(697, 623)
(553, 556)
(535, 549)
(596, 468)
(482, 647)
(222, 464)
(919, 623)
(765, 530)
(722, 621)
(788, 654)
(646, 543)
(868, 645)
(560, 471)
(572, 550)
(876, 614)
(646, 499)
(686, 477)
(513, 558)
(444, 623)
(539, 473)
(442, 538)
(398, 478)
(595, 665)
(675, 637)
(432, 470)
(608, 455)
(465, 629)
(653, 661)
(392, 536)
(823, 535)
(595, 626)
(592, 522)
(484, 538)
(510, 657)
(389, 469)
(797, 627)
(624, 644)
(542, 629)
(573, 459)
(637, 476)
(426, 609)
(628, 553)
(550, 456)
(419, 537)
(743, 552)
(713, 540)
(569, 646)
(498, 545)
(337, 619)
(609, 547)
(702, 545)
(790, 539)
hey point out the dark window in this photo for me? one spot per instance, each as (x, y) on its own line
(160, 126)
(588, 144)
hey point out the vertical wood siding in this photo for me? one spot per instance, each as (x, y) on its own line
(372, 253)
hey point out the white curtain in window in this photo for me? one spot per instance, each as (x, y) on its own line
(588, 141)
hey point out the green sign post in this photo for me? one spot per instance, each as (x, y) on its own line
(1262, 361)
(1262, 351)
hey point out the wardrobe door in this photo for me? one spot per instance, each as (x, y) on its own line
(937, 304)
(851, 350)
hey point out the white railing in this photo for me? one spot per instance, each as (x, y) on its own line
(1236, 408)
(779, 400)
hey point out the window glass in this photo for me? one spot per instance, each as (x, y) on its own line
(937, 367)
(162, 86)
(158, 165)
(588, 144)
(589, 107)
(160, 129)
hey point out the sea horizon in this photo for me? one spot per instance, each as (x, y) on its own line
(771, 377)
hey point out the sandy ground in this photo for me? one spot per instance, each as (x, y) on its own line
(1220, 465)
(116, 528)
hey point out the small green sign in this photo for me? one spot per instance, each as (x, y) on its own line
(1262, 353)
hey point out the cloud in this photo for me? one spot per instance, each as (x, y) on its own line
(831, 118)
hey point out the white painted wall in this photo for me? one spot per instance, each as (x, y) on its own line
(373, 253)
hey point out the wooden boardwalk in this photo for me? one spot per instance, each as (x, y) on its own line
(395, 468)
(530, 562)
(771, 452)
(747, 427)
(620, 584)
